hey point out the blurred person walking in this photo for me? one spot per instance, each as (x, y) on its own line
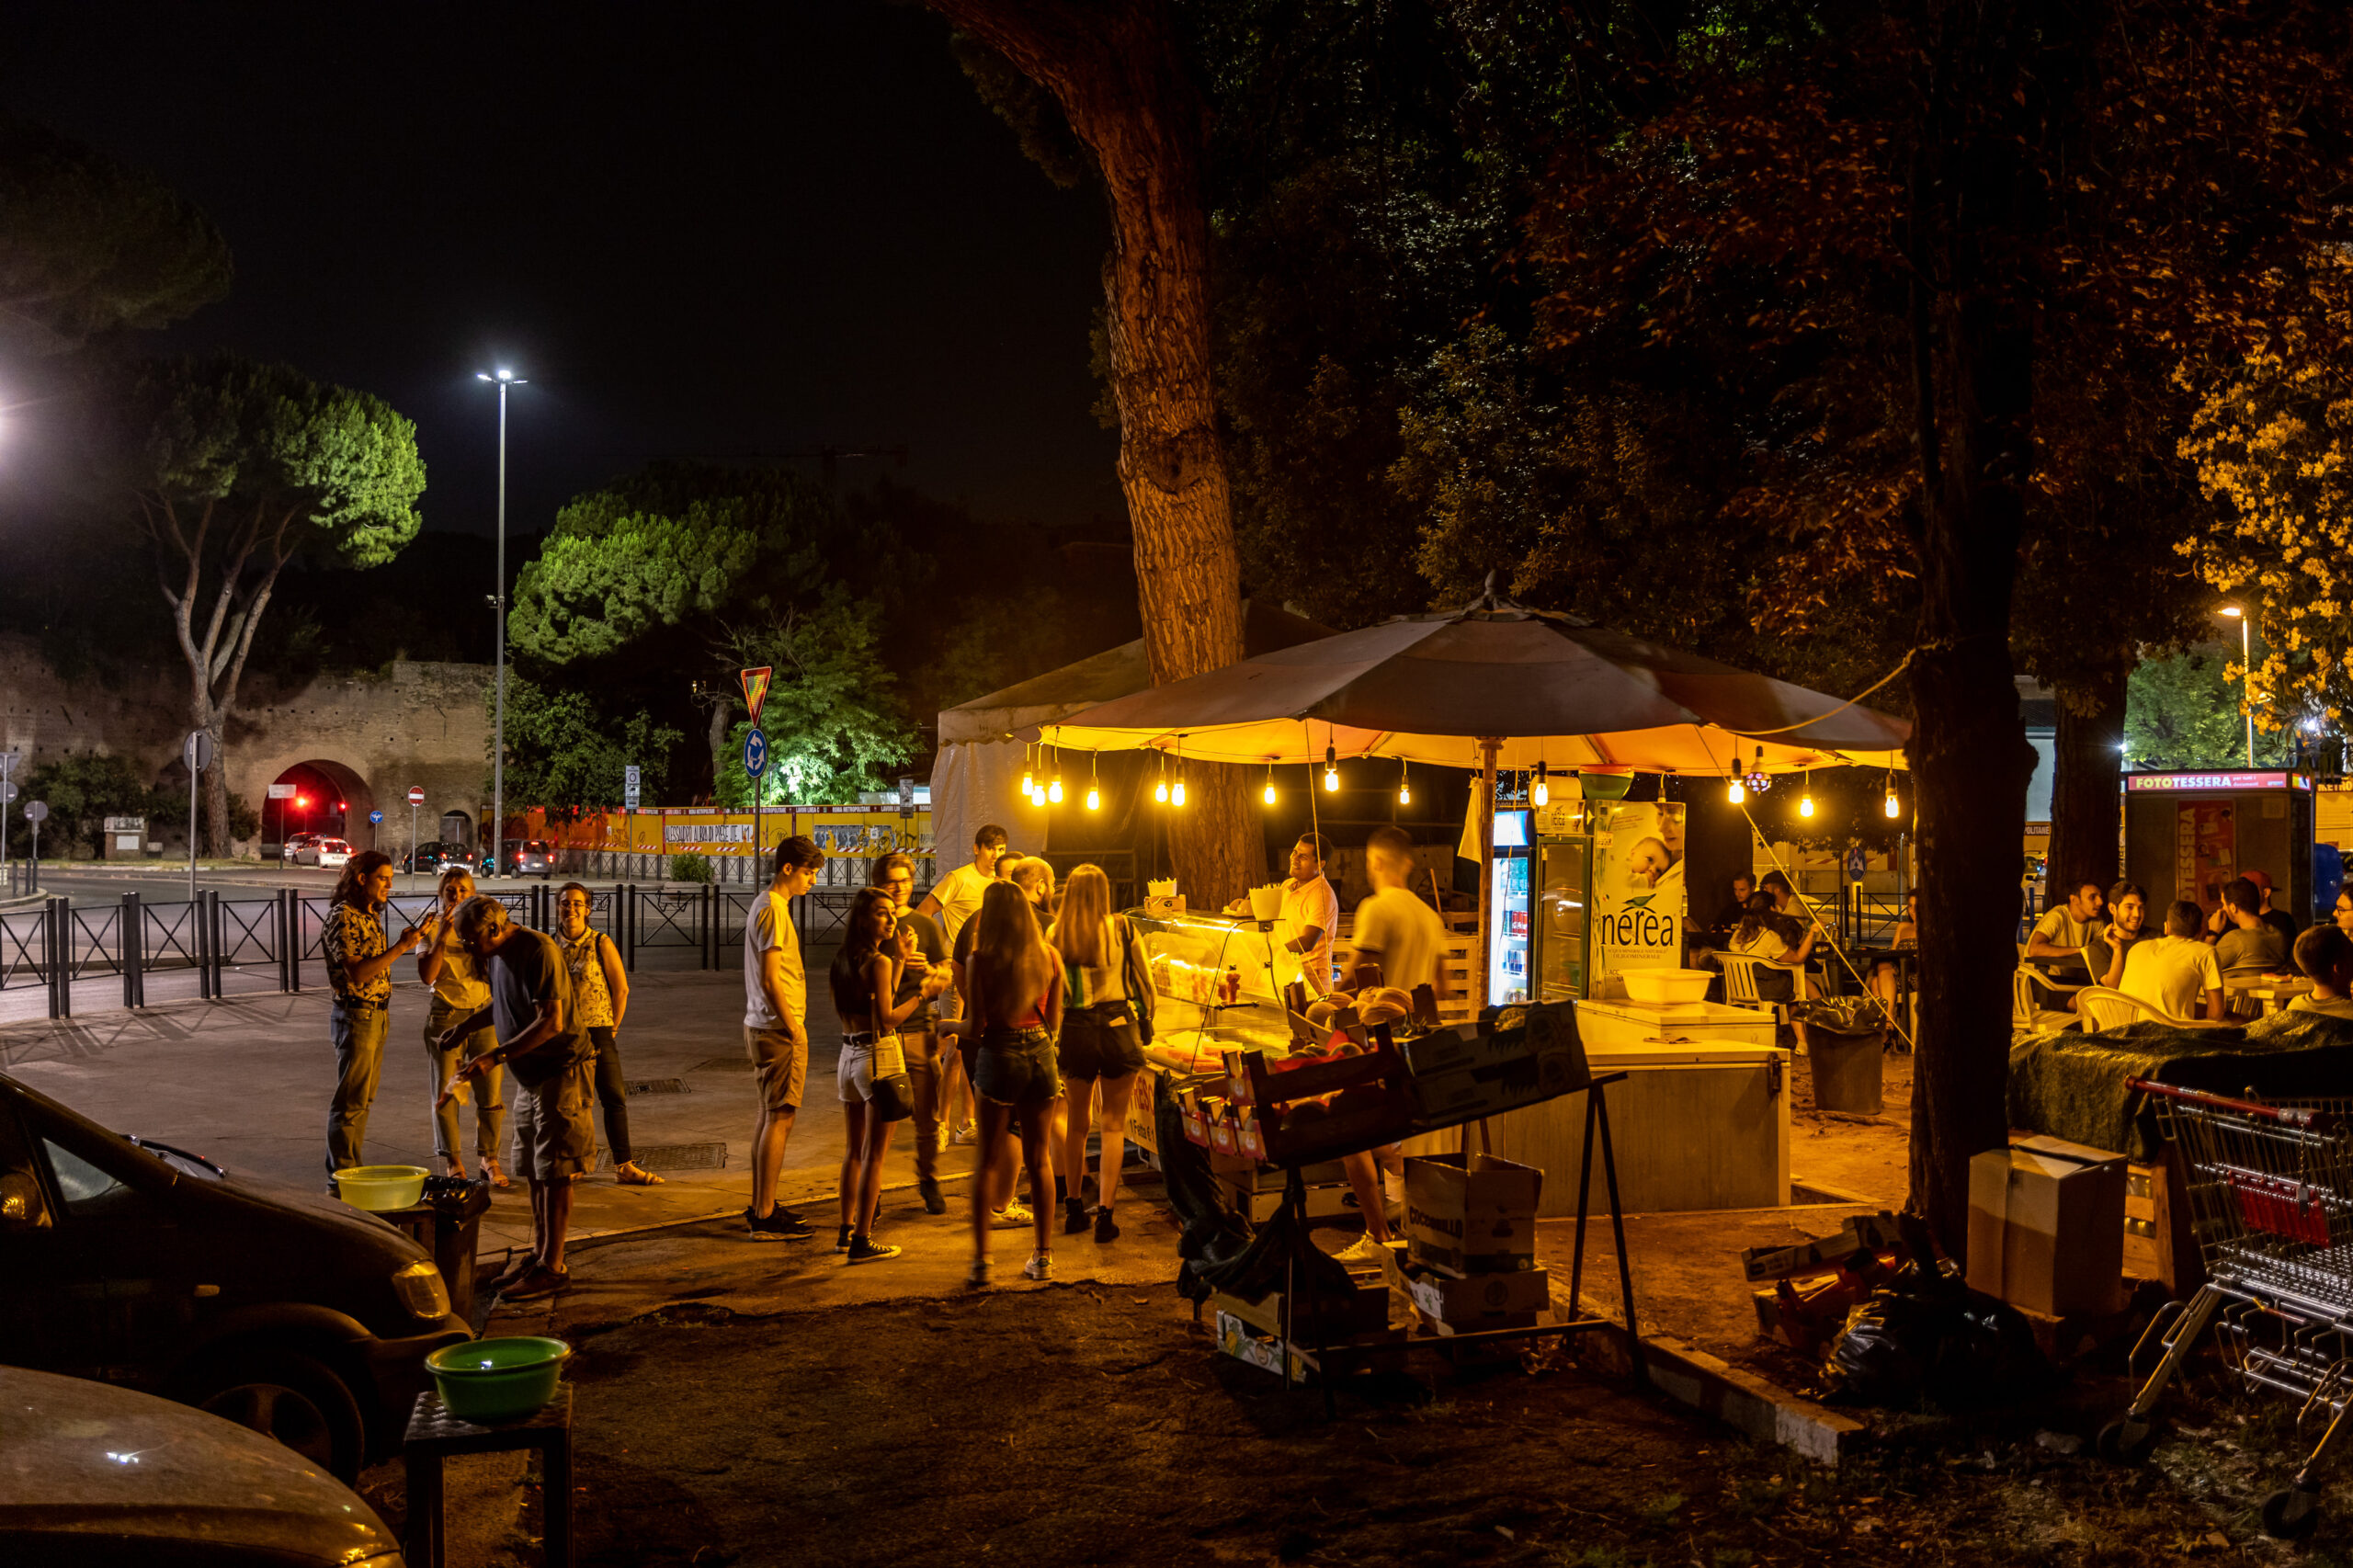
(600, 989)
(460, 992)
(1014, 984)
(359, 972)
(1100, 1048)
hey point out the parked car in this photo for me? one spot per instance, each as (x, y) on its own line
(291, 853)
(99, 1474)
(432, 857)
(131, 1261)
(533, 855)
(324, 852)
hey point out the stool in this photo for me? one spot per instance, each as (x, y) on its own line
(434, 1434)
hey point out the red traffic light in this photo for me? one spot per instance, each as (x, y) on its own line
(302, 802)
(339, 806)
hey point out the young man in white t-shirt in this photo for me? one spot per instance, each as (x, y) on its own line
(1311, 913)
(956, 897)
(1404, 938)
(776, 1031)
(2175, 974)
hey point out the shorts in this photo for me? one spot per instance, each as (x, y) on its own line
(854, 1073)
(555, 1131)
(1016, 1068)
(779, 1066)
(1100, 1041)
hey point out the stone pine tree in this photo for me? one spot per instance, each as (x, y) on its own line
(237, 468)
(1119, 70)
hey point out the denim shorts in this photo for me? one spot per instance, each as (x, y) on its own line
(1016, 1068)
(1100, 1041)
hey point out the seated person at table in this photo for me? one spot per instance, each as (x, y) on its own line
(2325, 955)
(2175, 974)
(2246, 943)
(1786, 901)
(1887, 971)
(1766, 932)
(1743, 889)
(2128, 910)
(2058, 939)
(2280, 920)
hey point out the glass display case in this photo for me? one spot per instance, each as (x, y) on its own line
(1213, 979)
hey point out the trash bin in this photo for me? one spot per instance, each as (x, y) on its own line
(1846, 1047)
(446, 1223)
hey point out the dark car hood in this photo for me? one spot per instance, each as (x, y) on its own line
(328, 1219)
(89, 1459)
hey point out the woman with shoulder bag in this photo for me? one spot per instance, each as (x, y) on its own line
(1102, 1043)
(871, 1076)
(600, 990)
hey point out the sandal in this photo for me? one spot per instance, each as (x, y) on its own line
(628, 1172)
(456, 1170)
(493, 1175)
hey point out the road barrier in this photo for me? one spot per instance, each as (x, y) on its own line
(56, 943)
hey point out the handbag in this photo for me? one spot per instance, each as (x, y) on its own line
(895, 1093)
(1140, 996)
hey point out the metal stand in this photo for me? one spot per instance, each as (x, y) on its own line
(435, 1435)
(1328, 1360)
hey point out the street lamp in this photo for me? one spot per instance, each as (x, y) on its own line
(2247, 672)
(502, 379)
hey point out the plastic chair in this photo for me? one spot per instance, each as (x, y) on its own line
(1740, 983)
(2029, 988)
(2102, 1008)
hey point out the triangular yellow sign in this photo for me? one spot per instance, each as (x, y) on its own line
(755, 690)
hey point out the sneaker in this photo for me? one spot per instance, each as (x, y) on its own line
(862, 1249)
(1074, 1216)
(781, 1225)
(928, 1188)
(537, 1283)
(1040, 1264)
(967, 1133)
(1012, 1215)
(1105, 1229)
(978, 1279)
(841, 1243)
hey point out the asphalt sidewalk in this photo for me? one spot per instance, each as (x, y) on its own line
(245, 1081)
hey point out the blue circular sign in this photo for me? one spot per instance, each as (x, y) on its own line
(377, 818)
(755, 751)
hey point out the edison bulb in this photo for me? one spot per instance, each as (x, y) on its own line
(1028, 781)
(1160, 792)
(1734, 794)
(1542, 794)
(1894, 807)
(1405, 794)
(1805, 806)
(1331, 779)
(1177, 794)
(1055, 791)
(1094, 798)
(1268, 795)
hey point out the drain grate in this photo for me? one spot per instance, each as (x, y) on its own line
(659, 1086)
(683, 1157)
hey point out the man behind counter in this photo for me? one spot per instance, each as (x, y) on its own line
(1310, 912)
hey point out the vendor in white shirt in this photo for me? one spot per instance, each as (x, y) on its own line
(1302, 935)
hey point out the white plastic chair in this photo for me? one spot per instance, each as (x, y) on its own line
(1740, 983)
(2102, 1008)
(2029, 987)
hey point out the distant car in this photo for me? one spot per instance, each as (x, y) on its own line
(137, 1263)
(324, 852)
(292, 854)
(533, 855)
(432, 857)
(104, 1474)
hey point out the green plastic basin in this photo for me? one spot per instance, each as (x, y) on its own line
(380, 1187)
(497, 1380)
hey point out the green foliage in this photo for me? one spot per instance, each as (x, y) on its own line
(2185, 711)
(84, 789)
(689, 869)
(831, 717)
(91, 246)
(562, 750)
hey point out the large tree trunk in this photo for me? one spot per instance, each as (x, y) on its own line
(1118, 69)
(2086, 767)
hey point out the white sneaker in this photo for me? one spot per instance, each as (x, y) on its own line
(1011, 1216)
(1040, 1264)
(966, 1134)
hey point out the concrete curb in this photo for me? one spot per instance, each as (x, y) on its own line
(1746, 1403)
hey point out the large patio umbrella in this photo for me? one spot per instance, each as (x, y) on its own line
(1494, 685)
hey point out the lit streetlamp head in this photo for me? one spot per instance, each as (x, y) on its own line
(2233, 611)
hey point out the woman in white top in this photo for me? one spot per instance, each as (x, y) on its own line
(1101, 1046)
(459, 989)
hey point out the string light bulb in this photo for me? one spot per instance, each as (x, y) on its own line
(1176, 790)
(1539, 793)
(1160, 789)
(1405, 784)
(1267, 794)
(1094, 785)
(1028, 775)
(1733, 791)
(1331, 768)
(1054, 791)
(1894, 806)
(1805, 801)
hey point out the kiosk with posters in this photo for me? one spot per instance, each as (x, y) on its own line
(2185, 835)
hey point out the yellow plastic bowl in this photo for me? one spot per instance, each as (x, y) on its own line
(381, 1187)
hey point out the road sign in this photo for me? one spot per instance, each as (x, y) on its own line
(755, 690)
(629, 786)
(375, 819)
(1855, 863)
(37, 811)
(755, 751)
(281, 791)
(907, 791)
(196, 751)
(416, 795)
(7, 792)
(10, 761)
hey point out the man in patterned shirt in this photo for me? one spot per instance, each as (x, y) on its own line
(360, 968)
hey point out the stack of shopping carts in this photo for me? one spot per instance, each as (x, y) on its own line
(2270, 1191)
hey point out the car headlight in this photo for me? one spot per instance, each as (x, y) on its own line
(421, 1291)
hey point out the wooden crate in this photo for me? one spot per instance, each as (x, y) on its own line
(2158, 1242)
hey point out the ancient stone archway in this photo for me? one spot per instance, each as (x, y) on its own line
(319, 785)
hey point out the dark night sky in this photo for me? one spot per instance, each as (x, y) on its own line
(718, 230)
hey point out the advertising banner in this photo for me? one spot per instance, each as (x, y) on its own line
(1638, 894)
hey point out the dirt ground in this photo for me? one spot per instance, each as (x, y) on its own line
(1094, 1424)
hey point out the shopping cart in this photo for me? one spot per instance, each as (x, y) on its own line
(2270, 1191)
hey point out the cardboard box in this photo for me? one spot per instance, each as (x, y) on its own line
(1475, 1218)
(1467, 1303)
(2046, 1226)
